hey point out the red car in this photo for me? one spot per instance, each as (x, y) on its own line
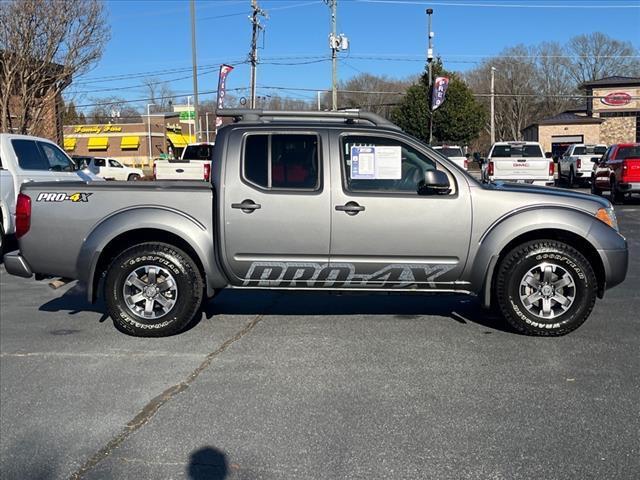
(618, 171)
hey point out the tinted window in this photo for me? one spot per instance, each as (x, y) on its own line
(411, 170)
(451, 152)
(580, 151)
(628, 152)
(198, 152)
(282, 161)
(29, 156)
(99, 162)
(58, 160)
(517, 150)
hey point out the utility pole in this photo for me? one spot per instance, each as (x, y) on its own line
(334, 57)
(430, 74)
(253, 56)
(493, 105)
(195, 71)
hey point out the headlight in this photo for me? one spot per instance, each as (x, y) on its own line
(608, 216)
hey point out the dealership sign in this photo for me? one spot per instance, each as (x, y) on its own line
(616, 99)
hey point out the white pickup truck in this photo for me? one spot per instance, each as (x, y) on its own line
(575, 165)
(195, 164)
(30, 159)
(521, 162)
(455, 154)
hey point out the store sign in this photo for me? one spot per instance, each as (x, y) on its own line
(616, 99)
(174, 127)
(97, 129)
(188, 115)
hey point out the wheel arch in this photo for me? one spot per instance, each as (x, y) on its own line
(127, 229)
(581, 231)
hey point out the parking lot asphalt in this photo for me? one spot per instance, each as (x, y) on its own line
(277, 385)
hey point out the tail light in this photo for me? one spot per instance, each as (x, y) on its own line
(466, 164)
(579, 163)
(23, 215)
(155, 170)
(490, 169)
(207, 172)
(552, 168)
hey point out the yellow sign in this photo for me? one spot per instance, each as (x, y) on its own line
(97, 129)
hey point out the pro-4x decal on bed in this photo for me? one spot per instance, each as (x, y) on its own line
(63, 197)
(339, 275)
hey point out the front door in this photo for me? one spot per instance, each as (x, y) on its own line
(276, 212)
(383, 233)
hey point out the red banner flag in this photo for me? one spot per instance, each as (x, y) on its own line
(222, 85)
(439, 91)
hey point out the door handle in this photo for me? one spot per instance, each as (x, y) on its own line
(247, 206)
(350, 208)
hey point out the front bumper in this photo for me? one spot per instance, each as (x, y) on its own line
(15, 264)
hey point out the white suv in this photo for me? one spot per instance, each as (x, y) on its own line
(453, 153)
(112, 169)
(522, 162)
(575, 164)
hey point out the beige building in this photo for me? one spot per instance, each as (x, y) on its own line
(612, 116)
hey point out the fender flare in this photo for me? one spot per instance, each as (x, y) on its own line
(525, 221)
(172, 221)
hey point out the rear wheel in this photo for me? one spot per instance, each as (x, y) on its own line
(133, 177)
(572, 179)
(153, 290)
(594, 189)
(546, 288)
(616, 195)
(1, 239)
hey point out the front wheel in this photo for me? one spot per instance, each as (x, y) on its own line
(545, 288)
(153, 290)
(594, 189)
(572, 179)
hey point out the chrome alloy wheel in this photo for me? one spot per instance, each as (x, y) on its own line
(150, 291)
(547, 290)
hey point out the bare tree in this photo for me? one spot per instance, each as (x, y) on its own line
(553, 79)
(596, 55)
(159, 93)
(43, 44)
(113, 110)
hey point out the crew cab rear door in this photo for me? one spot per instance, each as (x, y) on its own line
(276, 207)
(383, 234)
(518, 161)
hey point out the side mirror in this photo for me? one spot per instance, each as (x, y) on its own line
(435, 182)
(595, 159)
(548, 155)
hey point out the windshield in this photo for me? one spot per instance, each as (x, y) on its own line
(517, 150)
(589, 150)
(451, 151)
(198, 152)
(628, 152)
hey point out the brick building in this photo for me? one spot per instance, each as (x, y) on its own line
(612, 115)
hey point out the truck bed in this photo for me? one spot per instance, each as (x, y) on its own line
(69, 214)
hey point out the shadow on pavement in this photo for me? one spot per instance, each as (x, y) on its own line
(208, 463)
(461, 308)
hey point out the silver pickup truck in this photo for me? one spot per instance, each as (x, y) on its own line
(340, 201)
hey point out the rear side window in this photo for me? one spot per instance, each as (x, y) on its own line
(628, 152)
(517, 151)
(99, 162)
(451, 152)
(288, 162)
(29, 155)
(198, 152)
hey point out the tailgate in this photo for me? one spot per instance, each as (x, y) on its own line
(632, 172)
(184, 170)
(519, 168)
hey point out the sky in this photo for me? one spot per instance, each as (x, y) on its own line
(153, 39)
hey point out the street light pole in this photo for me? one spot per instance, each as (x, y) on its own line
(334, 57)
(493, 105)
(149, 105)
(189, 114)
(195, 70)
(430, 73)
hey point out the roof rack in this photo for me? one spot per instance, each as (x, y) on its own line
(259, 115)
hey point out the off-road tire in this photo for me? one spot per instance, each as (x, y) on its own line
(189, 285)
(519, 261)
(133, 177)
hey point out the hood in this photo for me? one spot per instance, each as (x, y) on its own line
(551, 194)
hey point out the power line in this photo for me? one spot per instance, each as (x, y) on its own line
(604, 5)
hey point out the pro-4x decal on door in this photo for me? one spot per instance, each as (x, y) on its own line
(340, 275)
